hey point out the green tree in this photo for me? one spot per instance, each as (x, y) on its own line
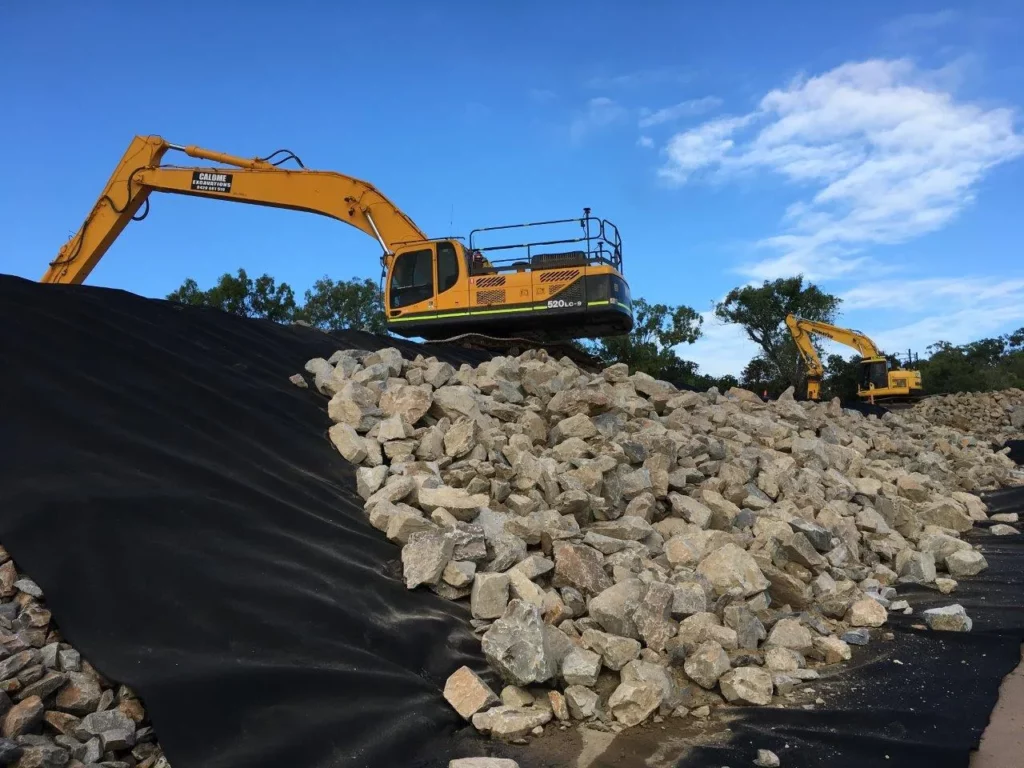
(333, 305)
(329, 304)
(762, 310)
(978, 366)
(241, 295)
(650, 346)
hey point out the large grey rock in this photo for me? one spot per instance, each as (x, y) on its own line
(461, 438)
(579, 426)
(747, 685)
(866, 613)
(348, 442)
(950, 618)
(965, 562)
(581, 667)
(946, 513)
(627, 528)
(370, 479)
(790, 633)
(749, 629)
(516, 645)
(613, 608)
(653, 616)
(467, 693)
(688, 598)
(489, 598)
(615, 651)
(425, 556)
(461, 504)
(510, 723)
(918, 567)
(483, 762)
(731, 570)
(633, 702)
(582, 702)
(581, 567)
(706, 664)
(111, 726)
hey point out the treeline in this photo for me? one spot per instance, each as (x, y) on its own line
(659, 334)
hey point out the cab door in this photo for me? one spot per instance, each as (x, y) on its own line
(410, 289)
(452, 281)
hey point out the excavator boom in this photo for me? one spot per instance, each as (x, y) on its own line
(255, 181)
(432, 288)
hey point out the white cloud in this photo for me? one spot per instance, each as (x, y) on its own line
(723, 348)
(884, 153)
(949, 292)
(677, 111)
(645, 141)
(600, 113)
(639, 78)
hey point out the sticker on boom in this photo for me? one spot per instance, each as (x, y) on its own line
(205, 181)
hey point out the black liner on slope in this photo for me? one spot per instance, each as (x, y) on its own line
(928, 711)
(198, 538)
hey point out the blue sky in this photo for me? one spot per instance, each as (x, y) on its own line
(879, 152)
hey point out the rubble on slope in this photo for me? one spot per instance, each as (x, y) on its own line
(55, 708)
(630, 551)
(995, 417)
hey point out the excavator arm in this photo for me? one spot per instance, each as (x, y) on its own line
(801, 331)
(255, 181)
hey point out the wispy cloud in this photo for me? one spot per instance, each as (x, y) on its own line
(949, 292)
(541, 95)
(645, 141)
(639, 78)
(686, 108)
(912, 23)
(600, 112)
(885, 153)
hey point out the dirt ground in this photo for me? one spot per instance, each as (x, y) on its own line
(1002, 743)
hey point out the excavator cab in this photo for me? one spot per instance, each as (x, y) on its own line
(559, 287)
(874, 373)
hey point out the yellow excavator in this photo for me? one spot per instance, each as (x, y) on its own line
(878, 379)
(558, 287)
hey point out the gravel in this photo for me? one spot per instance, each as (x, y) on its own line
(628, 549)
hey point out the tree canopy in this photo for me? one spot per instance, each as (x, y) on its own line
(761, 311)
(329, 304)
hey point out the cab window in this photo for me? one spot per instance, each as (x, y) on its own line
(412, 278)
(447, 266)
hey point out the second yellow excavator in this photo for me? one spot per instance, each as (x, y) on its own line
(877, 379)
(559, 287)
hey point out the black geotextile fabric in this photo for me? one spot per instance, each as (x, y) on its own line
(919, 700)
(198, 538)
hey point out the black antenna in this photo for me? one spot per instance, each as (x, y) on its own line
(451, 222)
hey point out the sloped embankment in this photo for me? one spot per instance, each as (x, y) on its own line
(197, 539)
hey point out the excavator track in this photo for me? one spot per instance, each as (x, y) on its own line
(516, 345)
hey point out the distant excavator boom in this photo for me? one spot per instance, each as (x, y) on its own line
(876, 379)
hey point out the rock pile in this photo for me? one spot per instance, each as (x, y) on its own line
(56, 710)
(628, 550)
(992, 416)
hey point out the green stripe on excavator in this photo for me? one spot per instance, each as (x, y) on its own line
(479, 312)
(475, 313)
